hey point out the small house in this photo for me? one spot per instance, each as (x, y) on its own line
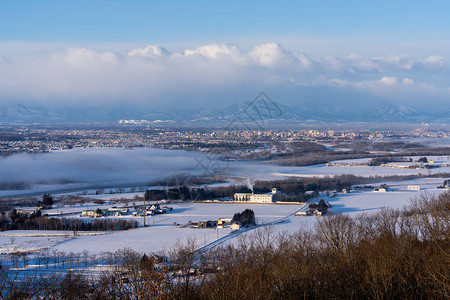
(155, 207)
(207, 224)
(235, 226)
(301, 213)
(223, 222)
(117, 212)
(93, 213)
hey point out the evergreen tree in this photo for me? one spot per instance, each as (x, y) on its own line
(47, 201)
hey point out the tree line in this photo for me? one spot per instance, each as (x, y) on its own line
(35, 221)
(293, 188)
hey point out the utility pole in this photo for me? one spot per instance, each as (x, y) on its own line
(145, 210)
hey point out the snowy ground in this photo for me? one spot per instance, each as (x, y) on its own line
(30, 241)
(355, 204)
(163, 234)
(442, 163)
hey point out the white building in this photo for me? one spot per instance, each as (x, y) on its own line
(235, 226)
(317, 213)
(255, 198)
(413, 187)
(242, 197)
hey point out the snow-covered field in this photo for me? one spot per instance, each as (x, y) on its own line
(354, 204)
(161, 235)
(30, 241)
(13, 243)
(164, 233)
(442, 163)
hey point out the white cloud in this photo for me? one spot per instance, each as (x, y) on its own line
(341, 82)
(407, 81)
(83, 58)
(388, 80)
(357, 62)
(150, 51)
(215, 51)
(213, 72)
(393, 62)
(267, 54)
(434, 61)
(303, 60)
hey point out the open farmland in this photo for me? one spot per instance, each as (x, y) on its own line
(166, 230)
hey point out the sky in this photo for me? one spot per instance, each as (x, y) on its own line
(213, 53)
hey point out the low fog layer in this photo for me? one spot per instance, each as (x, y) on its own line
(96, 166)
(115, 167)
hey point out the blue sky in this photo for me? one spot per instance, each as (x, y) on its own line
(370, 49)
(172, 21)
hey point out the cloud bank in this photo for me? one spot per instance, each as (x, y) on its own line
(216, 74)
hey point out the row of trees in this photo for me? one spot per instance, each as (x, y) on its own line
(183, 193)
(34, 221)
(293, 188)
(376, 161)
(395, 254)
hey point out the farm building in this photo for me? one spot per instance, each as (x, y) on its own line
(235, 226)
(92, 213)
(223, 222)
(116, 212)
(207, 224)
(413, 187)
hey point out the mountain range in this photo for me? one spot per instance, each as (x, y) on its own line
(245, 112)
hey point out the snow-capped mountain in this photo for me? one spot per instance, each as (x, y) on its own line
(243, 111)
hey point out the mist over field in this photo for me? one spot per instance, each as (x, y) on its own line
(95, 166)
(112, 167)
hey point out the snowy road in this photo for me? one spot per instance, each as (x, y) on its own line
(236, 233)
